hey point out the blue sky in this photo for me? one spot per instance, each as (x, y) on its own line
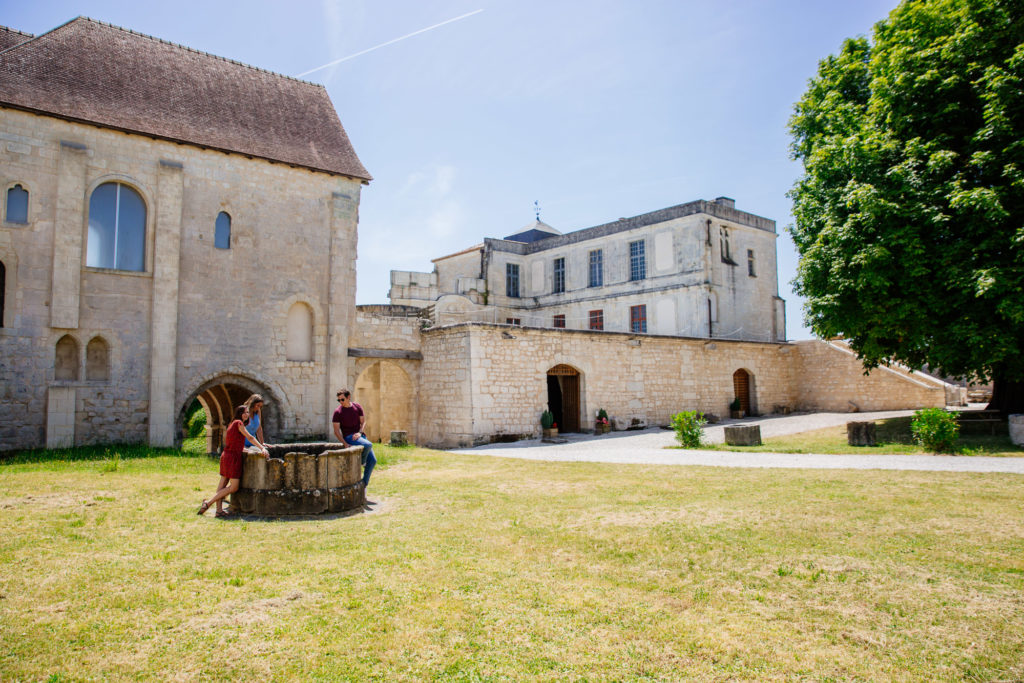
(597, 109)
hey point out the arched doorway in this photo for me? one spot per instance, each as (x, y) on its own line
(564, 397)
(385, 392)
(219, 397)
(743, 389)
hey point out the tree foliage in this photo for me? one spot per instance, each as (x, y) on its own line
(909, 218)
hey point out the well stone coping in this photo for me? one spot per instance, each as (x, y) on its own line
(301, 479)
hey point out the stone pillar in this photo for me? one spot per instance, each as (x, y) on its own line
(60, 417)
(341, 293)
(69, 225)
(163, 348)
(745, 435)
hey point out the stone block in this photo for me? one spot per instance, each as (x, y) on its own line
(1017, 429)
(399, 438)
(860, 433)
(743, 435)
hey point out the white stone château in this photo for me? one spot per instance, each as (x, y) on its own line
(700, 269)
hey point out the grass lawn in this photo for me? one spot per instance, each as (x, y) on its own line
(893, 436)
(475, 568)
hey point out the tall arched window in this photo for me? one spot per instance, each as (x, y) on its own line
(3, 289)
(117, 228)
(300, 332)
(222, 231)
(17, 205)
(97, 360)
(65, 359)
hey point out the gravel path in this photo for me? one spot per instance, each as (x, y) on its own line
(650, 447)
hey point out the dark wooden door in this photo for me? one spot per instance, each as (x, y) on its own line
(741, 389)
(568, 379)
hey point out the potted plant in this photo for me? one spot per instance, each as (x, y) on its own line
(734, 409)
(547, 423)
(601, 424)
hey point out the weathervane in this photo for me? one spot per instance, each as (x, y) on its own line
(536, 209)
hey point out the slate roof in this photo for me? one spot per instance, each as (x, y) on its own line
(97, 73)
(538, 230)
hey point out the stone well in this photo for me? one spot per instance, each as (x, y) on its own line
(301, 479)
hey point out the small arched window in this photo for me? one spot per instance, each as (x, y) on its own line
(3, 289)
(117, 228)
(17, 205)
(97, 360)
(65, 359)
(222, 231)
(300, 333)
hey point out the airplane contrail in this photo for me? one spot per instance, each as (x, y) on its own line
(390, 42)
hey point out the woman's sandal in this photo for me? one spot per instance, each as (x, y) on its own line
(203, 508)
(221, 514)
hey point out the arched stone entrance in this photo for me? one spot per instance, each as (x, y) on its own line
(385, 392)
(743, 389)
(219, 397)
(564, 397)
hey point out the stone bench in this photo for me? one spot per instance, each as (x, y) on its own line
(743, 435)
(301, 479)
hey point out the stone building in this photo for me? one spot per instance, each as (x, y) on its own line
(173, 225)
(177, 226)
(701, 269)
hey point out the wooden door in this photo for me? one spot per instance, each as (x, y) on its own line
(741, 389)
(568, 379)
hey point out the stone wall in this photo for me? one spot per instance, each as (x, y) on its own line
(487, 382)
(195, 313)
(828, 376)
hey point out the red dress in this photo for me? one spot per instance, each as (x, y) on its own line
(231, 458)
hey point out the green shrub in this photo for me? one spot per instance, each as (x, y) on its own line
(735, 405)
(195, 422)
(602, 414)
(935, 429)
(688, 427)
(547, 419)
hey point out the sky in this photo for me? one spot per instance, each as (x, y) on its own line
(595, 109)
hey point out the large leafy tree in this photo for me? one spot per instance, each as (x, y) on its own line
(909, 218)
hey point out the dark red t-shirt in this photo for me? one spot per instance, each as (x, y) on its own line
(348, 418)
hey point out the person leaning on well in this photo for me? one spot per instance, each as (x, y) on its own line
(348, 422)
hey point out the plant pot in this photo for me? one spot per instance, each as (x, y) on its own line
(548, 433)
(736, 414)
(602, 428)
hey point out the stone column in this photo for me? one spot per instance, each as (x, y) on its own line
(341, 292)
(163, 354)
(67, 235)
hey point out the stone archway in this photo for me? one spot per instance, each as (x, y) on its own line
(385, 392)
(219, 397)
(564, 397)
(743, 389)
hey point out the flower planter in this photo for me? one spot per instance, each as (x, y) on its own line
(736, 414)
(549, 433)
(602, 428)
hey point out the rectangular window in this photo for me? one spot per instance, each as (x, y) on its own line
(637, 261)
(559, 320)
(597, 320)
(559, 275)
(512, 280)
(513, 321)
(723, 239)
(638, 318)
(751, 271)
(596, 268)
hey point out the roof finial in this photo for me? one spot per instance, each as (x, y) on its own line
(536, 209)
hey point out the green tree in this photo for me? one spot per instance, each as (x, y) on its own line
(909, 218)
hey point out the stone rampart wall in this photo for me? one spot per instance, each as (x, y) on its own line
(829, 376)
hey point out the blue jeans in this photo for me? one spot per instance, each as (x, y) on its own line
(369, 460)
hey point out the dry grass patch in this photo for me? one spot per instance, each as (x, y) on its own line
(488, 569)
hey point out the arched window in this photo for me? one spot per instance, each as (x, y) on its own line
(97, 360)
(17, 205)
(222, 231)
(65, 359)
(117, 228)
(3, 288)
(300, 332)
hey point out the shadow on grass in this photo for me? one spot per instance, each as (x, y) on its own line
(87, 453)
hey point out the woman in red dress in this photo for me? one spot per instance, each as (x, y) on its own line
(231, 461)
